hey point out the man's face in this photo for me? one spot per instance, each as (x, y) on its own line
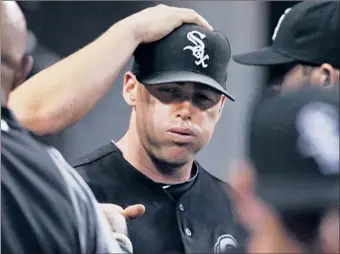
(175, 121)
(293, 76)
(296, 75)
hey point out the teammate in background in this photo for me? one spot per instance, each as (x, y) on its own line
(289, 192)
(305, 46)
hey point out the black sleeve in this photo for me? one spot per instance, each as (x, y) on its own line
(92, 222)
(36, 213)
(45, 205)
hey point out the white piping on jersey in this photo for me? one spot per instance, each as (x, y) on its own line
(77, 187)
(4, 125)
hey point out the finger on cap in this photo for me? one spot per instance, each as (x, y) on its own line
(190, 16)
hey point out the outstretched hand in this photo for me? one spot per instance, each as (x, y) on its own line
(117, 216)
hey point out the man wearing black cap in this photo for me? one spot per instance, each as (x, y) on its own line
(305, 45)
(295, 155)
(177, 90)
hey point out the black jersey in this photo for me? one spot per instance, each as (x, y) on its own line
(194, 217)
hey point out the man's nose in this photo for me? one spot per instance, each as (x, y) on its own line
(185, 109)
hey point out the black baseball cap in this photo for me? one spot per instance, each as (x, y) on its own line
(308, 32)
(188, 54)
(294, 147)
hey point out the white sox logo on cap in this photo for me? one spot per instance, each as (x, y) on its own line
(279, 23)
(198, 51)
(225, 242)
(318, 127)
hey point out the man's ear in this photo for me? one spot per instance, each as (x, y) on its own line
(130, 88)
(328, 75)
(26, 68)
(221, 105)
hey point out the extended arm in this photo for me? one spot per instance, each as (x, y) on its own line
(60, 95)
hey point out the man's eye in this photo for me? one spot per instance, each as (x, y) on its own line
(202, 97)
(170, 90)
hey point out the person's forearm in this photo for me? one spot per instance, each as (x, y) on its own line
(63, 93)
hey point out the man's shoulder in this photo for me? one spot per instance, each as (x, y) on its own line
(94, 157)
(100, 166)
(217, 185)
(209, 177)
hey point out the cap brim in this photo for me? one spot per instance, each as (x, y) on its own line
(263, 57)
(184, 76)
(292, 194)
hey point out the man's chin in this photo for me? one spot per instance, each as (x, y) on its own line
(178, 155)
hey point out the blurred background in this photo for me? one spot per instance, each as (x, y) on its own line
(59, 28)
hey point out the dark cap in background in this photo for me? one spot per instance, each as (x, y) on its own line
(307, 32)
(189, 54)
(294, 146)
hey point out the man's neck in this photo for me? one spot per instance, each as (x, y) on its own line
(134, 152)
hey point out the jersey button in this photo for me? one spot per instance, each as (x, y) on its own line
(181, 207)
(188, 232)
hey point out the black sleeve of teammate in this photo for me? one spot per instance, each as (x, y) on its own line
(45, 206)
(91, 218)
